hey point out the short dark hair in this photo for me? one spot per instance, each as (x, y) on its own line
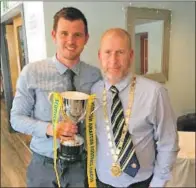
(71, 14)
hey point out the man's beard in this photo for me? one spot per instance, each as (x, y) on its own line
(115, 79)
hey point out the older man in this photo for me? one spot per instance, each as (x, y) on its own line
(136, 127)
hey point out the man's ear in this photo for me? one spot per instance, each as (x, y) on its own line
(53, 34)
(87, 37)
(99, 54)
(131, 54)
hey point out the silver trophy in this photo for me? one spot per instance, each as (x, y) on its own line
(74, 108)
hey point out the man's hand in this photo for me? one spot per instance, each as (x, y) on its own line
(65, 130)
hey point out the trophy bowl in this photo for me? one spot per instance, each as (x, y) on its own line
(74, 106)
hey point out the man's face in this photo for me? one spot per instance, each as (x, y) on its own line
(70, 38)
(115, 56)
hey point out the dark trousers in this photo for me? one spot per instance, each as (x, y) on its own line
(142, 184)
(40, 173)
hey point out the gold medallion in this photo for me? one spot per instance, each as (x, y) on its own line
(116, 169)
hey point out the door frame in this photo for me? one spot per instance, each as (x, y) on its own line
(144, 65)
(8, 92)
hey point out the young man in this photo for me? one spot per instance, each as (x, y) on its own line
(31, 111)
(137, 140)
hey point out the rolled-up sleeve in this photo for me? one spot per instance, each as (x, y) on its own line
(167, 139)
(22, 108)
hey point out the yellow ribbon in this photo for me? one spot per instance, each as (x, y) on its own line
(91, 141)
(57, 103)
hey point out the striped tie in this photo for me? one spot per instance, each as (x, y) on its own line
(117, 117)
(127, 157)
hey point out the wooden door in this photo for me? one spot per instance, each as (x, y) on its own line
(15, 44)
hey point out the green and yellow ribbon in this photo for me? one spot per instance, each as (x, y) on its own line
(57, 109)
(57, 104)
(91, 141)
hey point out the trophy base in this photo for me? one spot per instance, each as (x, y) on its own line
(70, 153)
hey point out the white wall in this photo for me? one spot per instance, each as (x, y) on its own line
(103, 15)
(35, 30)
(155, 42)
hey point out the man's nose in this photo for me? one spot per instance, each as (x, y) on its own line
(70, 39)
(113, 58)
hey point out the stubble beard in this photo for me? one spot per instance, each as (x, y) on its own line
(113, 79)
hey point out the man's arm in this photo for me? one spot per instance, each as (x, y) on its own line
(167, 139)
(22, 108)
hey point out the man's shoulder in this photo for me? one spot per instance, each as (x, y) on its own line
(148, 84)
(37, 66)
(97, 86)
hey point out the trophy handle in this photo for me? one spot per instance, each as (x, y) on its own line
(99, 105)
(83, 115)
(49, 97)
(96, 108)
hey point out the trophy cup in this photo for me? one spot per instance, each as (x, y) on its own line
(74, 108)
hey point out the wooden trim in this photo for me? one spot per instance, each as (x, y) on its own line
(17, 21)
(24, 36)
(144, 65)
(159, 77)
(12, 55)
